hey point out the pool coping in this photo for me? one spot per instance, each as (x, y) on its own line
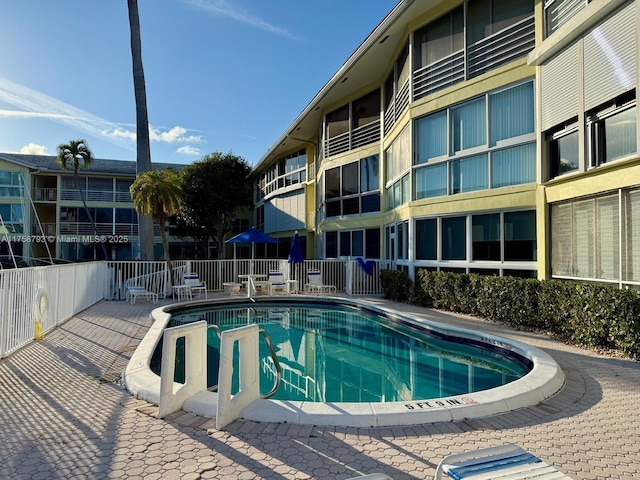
(543, 381)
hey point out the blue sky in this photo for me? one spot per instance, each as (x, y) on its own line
(221, 75)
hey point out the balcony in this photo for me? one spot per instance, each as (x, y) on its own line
(357, 137)
(45, 194)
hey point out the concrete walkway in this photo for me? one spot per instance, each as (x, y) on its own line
(63, 415)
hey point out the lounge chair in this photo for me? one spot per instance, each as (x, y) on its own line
(502, 462)
(315, 284)
(195, 284)
(133, 292)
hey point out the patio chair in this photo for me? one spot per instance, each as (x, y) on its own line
(195, 284)
(502, 462)
(277, 282)
(315, 284)
(133, 292)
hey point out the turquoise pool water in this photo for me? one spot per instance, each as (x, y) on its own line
(349, 354)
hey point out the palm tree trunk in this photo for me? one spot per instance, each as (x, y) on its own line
(165, 247)
(143, 162)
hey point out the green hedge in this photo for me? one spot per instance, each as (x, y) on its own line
(589, 314)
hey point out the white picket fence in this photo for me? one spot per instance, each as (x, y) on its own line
(35, 300)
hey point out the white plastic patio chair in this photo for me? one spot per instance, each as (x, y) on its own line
(277, 282)
(315, 284)
(195, 284)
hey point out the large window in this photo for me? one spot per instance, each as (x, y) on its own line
(563, 150)
(11, 218)
(397, 165)
(10, 184)
(488, 17)
(486, 242)
(289, 170)
(353, 188)
(613, 130)
(457, 151)
(353, 243)
(585, 238)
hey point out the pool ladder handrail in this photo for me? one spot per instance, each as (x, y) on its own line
(274, 357)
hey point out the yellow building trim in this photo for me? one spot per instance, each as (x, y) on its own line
(606, 177)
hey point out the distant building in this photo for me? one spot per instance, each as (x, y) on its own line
(47, 218)
(483, 136)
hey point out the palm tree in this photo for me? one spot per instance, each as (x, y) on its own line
(143, 162)
(157, 193)
(77, 154)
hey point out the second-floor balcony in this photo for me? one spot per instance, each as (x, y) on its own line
(95, 195)
(354, 138)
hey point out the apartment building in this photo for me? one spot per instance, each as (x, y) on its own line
(42, 214)
(478, 136)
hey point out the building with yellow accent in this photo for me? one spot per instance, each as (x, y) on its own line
(480, 136)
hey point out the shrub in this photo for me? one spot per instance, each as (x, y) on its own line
(396, 285)
(590, 314)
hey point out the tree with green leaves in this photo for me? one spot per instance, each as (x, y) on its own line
(214, 189)
(157, 193)
(143, 161)
(77, 155)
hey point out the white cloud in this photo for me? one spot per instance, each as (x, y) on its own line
(33, 149)
(23, 114)
(225, 9)
(173, 135)
(188, 150)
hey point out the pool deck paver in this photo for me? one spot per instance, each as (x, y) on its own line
(64, 415)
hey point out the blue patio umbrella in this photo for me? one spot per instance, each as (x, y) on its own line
(252, 236)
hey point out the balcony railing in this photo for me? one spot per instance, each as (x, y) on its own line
(503, 47)
(431, 78)
(45, 229)
(366, 134)
(95, 195)
(45, 194)
(358, 137)
(396, 107)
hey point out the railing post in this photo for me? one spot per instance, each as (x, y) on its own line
(172, 395)
(230, 407)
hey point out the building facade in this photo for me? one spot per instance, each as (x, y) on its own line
(477, 136)
(42, 215)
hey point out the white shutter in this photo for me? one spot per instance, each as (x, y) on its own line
(608, 236)
(559, 88)
(583, 227)
(610, 57)
(561, 237)
(632, 236)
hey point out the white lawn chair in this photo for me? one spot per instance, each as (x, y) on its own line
(195, 284)
(315, 284)
(504, 462)
(278, 282)
(133, 292)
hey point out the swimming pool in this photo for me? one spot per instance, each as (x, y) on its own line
(342, 353)
(381, 350)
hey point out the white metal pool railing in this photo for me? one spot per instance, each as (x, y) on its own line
(35, 300)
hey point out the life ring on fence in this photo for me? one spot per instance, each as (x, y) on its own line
(40, 307)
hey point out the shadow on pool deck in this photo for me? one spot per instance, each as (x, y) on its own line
(63, 415)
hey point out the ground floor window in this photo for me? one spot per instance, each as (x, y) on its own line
(478, 243)
(597, 238)
(353, 243)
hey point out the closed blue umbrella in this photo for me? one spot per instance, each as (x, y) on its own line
(295, 254)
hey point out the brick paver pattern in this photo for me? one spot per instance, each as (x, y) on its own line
(64, 415)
